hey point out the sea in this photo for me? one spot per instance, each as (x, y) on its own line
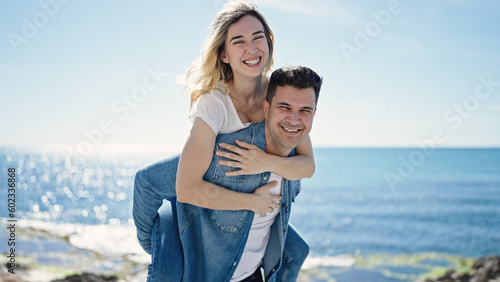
(361, 204)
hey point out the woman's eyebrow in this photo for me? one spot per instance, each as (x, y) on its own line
(241, 36)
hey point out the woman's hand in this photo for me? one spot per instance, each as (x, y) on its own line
(249, 158)
(265, 201)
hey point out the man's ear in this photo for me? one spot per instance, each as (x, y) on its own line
(266, 109)
(224, 58)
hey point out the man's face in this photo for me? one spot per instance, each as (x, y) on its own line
(289, 118)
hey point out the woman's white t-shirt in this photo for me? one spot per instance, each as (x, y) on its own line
(218, 111)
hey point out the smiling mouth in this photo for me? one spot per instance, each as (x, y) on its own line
(252, 62)
(291, 130)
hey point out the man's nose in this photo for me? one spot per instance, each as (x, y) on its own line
(293, 118)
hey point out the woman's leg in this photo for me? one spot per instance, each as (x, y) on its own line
(152, 185)
(166, 250)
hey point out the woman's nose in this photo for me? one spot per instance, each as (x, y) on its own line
(251, 48)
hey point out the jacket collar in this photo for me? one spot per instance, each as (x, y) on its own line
(259, 135)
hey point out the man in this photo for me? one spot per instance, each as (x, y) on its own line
(217, 245)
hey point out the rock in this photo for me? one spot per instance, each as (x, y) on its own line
(87, 277)
(486, 269)
(7, 277)
(486, 261)
(448, 274)
(462, 277)
(481, 275)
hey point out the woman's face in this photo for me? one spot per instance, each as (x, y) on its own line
(247, 51)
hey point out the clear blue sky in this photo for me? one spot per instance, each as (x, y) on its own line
(395, 72)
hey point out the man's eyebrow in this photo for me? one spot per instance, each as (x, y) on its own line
(241, 36)
(308, 108)
(283, 104)
(288, 105)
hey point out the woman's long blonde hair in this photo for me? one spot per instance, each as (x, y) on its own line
(208, 71)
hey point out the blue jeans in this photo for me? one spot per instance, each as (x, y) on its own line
(163, 249)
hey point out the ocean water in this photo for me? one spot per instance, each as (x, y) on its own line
(359, 202)
(402, 201)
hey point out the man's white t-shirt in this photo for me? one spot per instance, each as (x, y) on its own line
(257, 238)
(218, 111)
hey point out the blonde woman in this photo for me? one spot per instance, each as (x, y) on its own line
(228, 86)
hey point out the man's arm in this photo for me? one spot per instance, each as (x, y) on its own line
(192, 189)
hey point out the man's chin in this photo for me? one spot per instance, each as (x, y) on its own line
(291, 143)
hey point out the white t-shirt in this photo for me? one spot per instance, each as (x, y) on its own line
(218, 111)
(257, 238)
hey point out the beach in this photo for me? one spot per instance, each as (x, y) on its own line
(74, 215)
(54, 252)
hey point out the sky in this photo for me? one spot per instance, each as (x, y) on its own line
(91, 74)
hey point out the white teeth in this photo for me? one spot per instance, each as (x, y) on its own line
(252, 62)
(290, 130)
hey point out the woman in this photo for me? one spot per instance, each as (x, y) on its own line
(228, 86)
(228, 89)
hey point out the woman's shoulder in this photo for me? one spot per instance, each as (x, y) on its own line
(214, 96)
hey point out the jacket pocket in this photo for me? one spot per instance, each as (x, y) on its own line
(229, 221)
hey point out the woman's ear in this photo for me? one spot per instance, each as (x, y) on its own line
(224, 58)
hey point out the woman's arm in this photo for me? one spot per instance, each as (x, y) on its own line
(252, 160)
(192, 189)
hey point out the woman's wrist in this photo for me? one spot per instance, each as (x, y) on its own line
(273, 163)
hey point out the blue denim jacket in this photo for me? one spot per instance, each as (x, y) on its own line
(213, 240)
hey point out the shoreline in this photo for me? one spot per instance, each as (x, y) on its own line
(386, 269)
(51, 252)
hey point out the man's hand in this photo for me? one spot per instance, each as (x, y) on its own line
(249, 158)
(265, 202)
